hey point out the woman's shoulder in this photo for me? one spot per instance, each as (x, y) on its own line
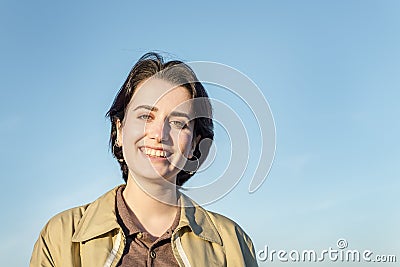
(226, 224)
(69, 216)
(67, 221)
(222, 223)
(63, 222)
(234, 239)
(220, 219)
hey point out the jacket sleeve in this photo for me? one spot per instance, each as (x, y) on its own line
(41, 255)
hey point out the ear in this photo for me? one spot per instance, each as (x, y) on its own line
(118, 125)
(195, 141)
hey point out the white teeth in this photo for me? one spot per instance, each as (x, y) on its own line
(154, 152)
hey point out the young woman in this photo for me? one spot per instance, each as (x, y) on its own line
(158, 119)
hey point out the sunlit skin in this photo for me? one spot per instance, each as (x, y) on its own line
(156, 135)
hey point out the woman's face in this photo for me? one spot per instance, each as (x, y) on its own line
(157, 133)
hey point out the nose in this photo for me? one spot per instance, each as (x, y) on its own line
(158, 130)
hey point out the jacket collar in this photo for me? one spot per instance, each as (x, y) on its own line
(100, 218)
(197, 218)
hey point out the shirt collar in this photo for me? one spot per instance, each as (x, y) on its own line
(100, 218)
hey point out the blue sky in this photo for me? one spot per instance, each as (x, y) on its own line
(329, 70)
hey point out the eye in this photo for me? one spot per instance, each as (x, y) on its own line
(179, 124)
(144, 117)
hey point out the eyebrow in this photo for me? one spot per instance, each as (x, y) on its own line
(151, 108)
(179, 114)
(155, 109)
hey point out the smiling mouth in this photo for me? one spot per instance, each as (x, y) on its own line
(154, 153)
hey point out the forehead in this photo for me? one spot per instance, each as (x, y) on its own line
(161, 94)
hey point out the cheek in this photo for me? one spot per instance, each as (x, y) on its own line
(185, 142)
(131, 133)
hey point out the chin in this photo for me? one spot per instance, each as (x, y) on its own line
(154, 175)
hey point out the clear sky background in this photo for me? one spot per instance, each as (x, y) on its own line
(329, 70)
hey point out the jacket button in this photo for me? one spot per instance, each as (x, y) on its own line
(139, 235)
(152, 254)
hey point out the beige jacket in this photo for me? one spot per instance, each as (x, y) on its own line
(91, 236)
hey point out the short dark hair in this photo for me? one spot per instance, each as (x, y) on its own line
(178, 73)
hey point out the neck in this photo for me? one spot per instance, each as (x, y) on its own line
(151, 200)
